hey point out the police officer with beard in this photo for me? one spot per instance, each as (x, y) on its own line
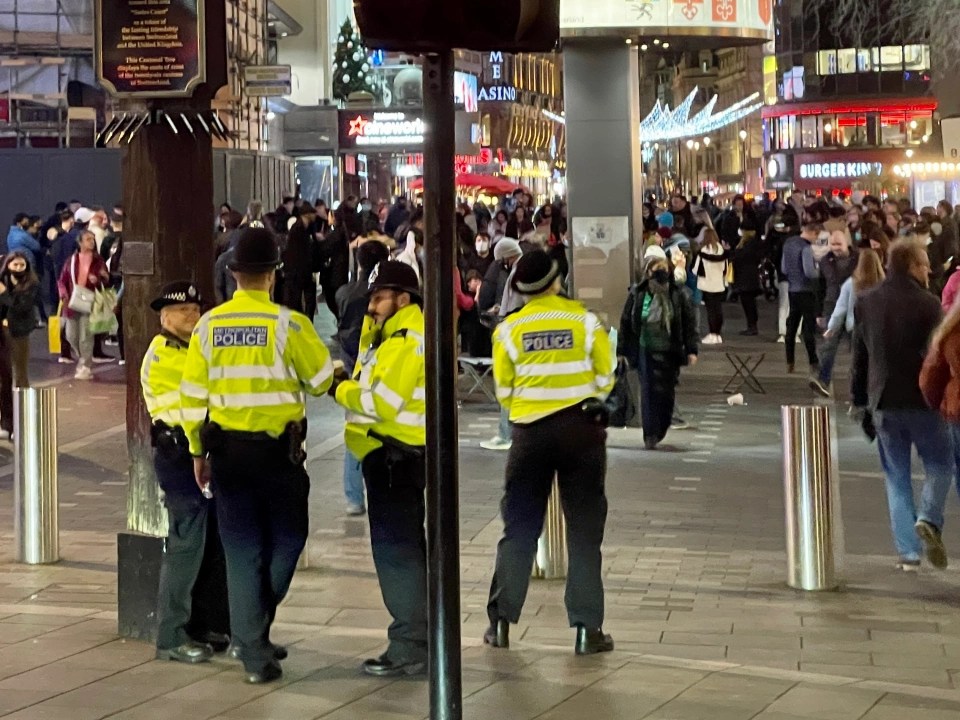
(386, 430)
(250, 366)
(553, 366)
(192, 530)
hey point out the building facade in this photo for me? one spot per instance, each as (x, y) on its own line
(845, 116)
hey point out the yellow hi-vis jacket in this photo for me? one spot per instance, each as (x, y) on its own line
(388, 395)
(250, 366)
(548, 356)
(160, 375)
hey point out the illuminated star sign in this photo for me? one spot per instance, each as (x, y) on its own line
(358, 126)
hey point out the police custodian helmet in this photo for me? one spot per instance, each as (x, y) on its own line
(256, 251)
(395, 275)
(176, 293)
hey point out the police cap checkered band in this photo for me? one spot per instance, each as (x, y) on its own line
(177, 293)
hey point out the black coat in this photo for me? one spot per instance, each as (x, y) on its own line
(297, 266)
(494, 283)
(17, 305)
(684, 338)
(894, 322)
(746, 266)
(835, 271)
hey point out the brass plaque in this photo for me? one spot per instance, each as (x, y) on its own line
(138, 258)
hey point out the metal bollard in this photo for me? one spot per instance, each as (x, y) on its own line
(36, 525)
(551, 560)
(814, 525)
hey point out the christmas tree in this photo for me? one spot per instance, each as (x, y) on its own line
(351, 67)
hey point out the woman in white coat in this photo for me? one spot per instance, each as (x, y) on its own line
(710, 268)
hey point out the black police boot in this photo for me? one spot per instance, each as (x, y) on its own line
(272, 671)
(385, 667)
(190, 652)
(590, 642)
(498, 634)
(279, 652)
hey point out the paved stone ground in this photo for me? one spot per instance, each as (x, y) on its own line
(694, 572)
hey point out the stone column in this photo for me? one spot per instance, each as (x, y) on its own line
(602, 100)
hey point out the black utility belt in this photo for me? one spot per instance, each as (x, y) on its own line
(216, 438)
(591, 410)
(397, 448)
(160, 432)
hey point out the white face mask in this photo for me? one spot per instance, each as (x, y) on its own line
(483, 247)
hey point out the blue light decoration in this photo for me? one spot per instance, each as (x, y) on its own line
(378, 57)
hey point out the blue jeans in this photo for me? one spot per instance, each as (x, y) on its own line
(352, 479)
(897, 432)
(505, 432)
(828, 353)
(955, 435)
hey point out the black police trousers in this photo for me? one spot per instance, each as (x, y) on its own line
(572, 447)
(192, 599)
(395, 508)
(262, 510)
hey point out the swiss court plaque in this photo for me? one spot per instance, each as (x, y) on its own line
(150, 48)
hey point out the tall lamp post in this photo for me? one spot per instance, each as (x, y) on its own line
(743, 156)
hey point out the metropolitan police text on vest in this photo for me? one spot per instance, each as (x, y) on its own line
(248, 336)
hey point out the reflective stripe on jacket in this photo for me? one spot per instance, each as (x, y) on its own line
(388, 395)
(250, 365)
(160, 375)
(549, 356)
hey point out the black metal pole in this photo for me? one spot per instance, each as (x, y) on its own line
(443, 516)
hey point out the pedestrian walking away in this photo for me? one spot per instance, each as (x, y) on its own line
(249, 366)
(553, 369)
(894, 323)
(386, 431)
(192, 536)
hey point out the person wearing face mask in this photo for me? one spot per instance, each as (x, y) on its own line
(482, 258)
(369, 220)
(658, 335)
(19, 290)
(386, 431)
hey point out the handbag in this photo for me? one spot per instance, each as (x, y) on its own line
(621, 405)
(103, 319)
(82, 297)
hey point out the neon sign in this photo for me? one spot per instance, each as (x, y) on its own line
(386, 128)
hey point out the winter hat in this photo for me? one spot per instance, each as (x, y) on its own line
(535, 272)
(506, 248)
(665, 232)
(655, 252)
(666, 219)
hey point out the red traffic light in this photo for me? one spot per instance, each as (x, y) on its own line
(437, 25)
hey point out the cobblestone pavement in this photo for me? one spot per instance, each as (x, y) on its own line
(694, 566)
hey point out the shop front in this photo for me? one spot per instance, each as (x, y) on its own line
(376, 147)
(831, 172)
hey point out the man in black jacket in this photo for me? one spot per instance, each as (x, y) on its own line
(894, 323)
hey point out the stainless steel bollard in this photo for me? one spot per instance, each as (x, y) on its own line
(36, 525)
(551, 560)
(814, 526)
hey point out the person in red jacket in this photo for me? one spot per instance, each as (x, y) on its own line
(87, 269)
(940, 378)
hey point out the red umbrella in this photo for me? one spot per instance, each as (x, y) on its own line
(487, 183)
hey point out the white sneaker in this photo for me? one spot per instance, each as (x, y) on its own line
(122, 362)
(497, 443)
(708, 340)
(65, 361)
(719, 340)
(781, 340)
(355, 510)
(83, 373)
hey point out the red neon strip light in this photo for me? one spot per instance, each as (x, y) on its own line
(914, 105)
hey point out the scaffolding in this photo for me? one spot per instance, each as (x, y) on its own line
(43, 45)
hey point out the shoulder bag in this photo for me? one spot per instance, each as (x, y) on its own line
(81, 299)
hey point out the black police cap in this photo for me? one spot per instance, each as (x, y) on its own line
(177, 293)
(395, 275)
(256, 251)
